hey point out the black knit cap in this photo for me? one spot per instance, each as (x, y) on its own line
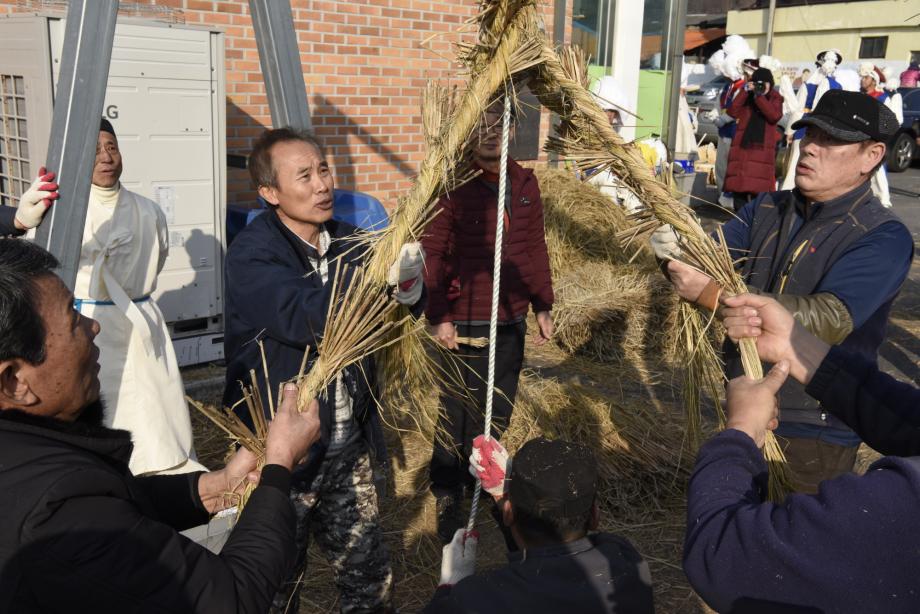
(106, 126)
(552, 479)
(763, 75)
(852, 117)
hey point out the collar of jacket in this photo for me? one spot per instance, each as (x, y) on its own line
(555, 550)
(338, 238)
(111, 443)
(519, 179)
(836, 207)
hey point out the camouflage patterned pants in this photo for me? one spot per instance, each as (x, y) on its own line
(340, 512)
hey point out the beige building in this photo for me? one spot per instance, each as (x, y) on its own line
(868, 30)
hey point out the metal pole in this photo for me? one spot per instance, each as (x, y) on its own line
(78, 104)
(678, 22)
(771, 17)
(558, 39)
(279, 55)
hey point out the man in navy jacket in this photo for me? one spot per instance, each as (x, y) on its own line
(850, 548)
(830, 253)
(280, 274)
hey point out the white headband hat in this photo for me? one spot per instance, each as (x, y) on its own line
(609, 95)
(770, 63)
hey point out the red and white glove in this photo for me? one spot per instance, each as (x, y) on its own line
(458, 558)
(489, 464)
(405, 275)
(36, 200)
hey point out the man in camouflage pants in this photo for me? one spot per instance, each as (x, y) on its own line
(280, 283)
(339, 508)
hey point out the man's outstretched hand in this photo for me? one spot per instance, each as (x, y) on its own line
(291, 433)
(290, 436)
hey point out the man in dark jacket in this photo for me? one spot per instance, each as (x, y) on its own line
(830, 253)
(842, 550)
(33, 205)
(280, 275)
(78, 532)
(460, 248)
(549, 506)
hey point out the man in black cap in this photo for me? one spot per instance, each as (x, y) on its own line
(549, 505)
(830, 253)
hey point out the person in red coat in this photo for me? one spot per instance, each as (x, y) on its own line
(460, 247)
(751, 160)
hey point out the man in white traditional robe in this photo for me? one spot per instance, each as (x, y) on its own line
(125, 244)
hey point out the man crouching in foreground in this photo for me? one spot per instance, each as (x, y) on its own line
(78, 532)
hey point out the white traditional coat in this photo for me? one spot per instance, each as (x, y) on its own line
(125, 244)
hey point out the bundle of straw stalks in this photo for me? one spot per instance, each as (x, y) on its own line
(586, 139)
(639, 454)
(615, 306)
(616, 314)
(363, 319)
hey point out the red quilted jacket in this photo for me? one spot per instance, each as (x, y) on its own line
(460, 245)
(753, 170)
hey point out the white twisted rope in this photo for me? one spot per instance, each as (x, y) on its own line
(496, 278)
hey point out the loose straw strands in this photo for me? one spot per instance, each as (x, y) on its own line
(357, 324)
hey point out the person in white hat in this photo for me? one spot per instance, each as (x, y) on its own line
(615, 103)
(808, 95)
(685, 145)
(871, 79)
(874, 82)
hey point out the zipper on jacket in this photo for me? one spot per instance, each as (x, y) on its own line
(785, 276)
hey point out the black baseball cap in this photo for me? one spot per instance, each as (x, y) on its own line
(552, 479)
(851, 116)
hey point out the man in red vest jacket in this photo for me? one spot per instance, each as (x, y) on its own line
(460, 247)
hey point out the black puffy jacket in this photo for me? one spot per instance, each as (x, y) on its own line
(7, 225)
(79, 533)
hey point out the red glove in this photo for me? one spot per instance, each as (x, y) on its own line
(50, 186)
(489, 464)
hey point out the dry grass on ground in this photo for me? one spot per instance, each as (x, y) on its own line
(632, 421)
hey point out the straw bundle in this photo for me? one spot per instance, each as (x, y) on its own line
(638, 453)
(364, 310)
(616, 313)
(586, 139)
(581, 223)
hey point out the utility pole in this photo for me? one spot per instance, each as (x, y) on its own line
(771, 16)
(78, 104)
(279, 55)
(675, 53)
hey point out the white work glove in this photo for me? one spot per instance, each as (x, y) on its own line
(405, 274)
(712, 114)
(36, 200)
(489, 464)
(458, 558)
(665, 243)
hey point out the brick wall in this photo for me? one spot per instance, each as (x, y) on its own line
(364, 66)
